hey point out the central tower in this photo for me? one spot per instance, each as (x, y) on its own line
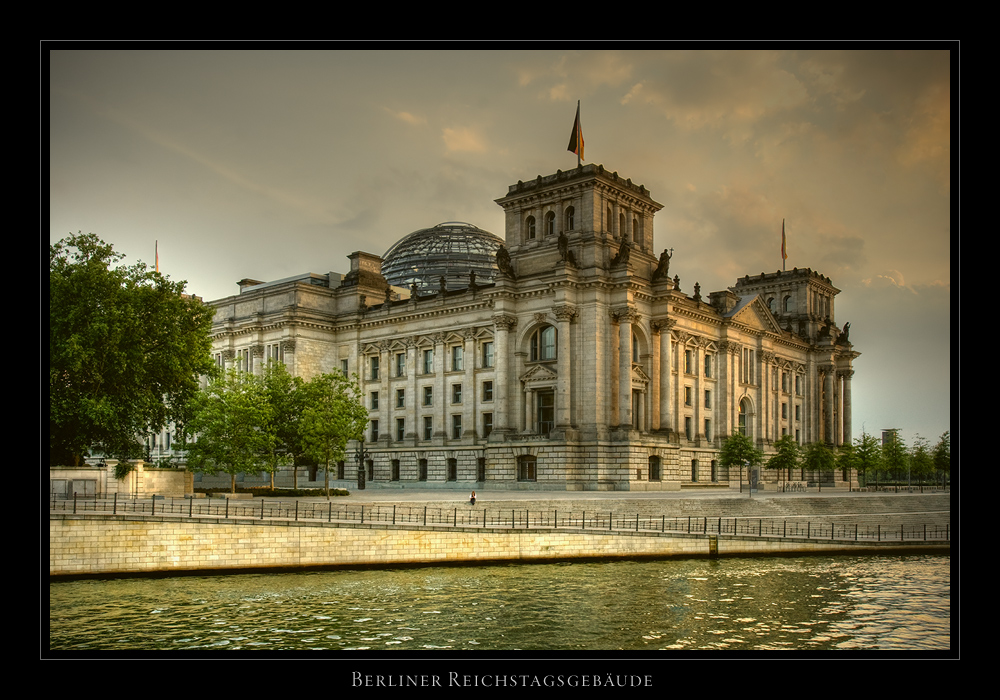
(581, 216)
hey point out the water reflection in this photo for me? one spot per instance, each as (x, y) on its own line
(900, 602)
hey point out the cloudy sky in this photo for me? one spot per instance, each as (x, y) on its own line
(266, 164)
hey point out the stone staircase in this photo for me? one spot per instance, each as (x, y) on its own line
(885, 509)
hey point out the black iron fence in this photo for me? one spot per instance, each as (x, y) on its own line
(596, 520)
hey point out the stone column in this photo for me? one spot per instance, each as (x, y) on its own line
(503, 324)
(828, 409)
(257, 361)
(470, 392)
(846, 411)
(654, 380)
(288, 355)
(564, 315)
(440, 387)
(626, 317)
(412, 404)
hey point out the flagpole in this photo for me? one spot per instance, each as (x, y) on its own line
(579, 131)
(784, 255)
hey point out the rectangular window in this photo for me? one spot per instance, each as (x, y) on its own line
(546, 411)
(688, 362)
(374, 436)
(797, 412)
(400, 428)
(400, 364)
(394, 476)
(708, 398)
(748, 370)
(374, 367)
(784, 411)
(428, 362)
(487, 391)
(343, 367)
(487, 424)
(488, 354)
(422, 470)
(687, 427)
(453, 470)
(708, 365)
(708, 429)
(456, 426)
(456, 358)
(526, 468)
(687, 396)
(784, 382)
(400, 398)
(428, 395)
(456, 393)
(428, 427)
(374, 401)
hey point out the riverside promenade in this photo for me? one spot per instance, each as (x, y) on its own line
(404, 526)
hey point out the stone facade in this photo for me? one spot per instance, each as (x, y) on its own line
(583, 366)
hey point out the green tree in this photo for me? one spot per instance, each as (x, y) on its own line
(942, 455)
(868, 455)
(894, 456)
(333, 414)
(231, 420)
(847, 460)
(787, 456)
(126, 348)
(818, 457)
(738, 450)
(921, 459)
(286, 397)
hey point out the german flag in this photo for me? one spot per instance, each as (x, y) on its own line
(576, 138)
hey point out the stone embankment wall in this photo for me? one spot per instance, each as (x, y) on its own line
(133, 544)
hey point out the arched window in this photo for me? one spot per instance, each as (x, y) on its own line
(636, 232)
(635, 349)
(788, 305)
(550, 224)
(770, 305)
(569, 218)
(745, 418)
(543, 344)
(621, 225)
(611, 221)
(529, 228)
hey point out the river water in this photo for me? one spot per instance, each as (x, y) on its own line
(771, 603)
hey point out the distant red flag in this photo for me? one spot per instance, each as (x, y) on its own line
(576, 139)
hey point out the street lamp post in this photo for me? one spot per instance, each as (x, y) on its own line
(361, 454)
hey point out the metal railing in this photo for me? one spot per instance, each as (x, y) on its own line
(511, 519)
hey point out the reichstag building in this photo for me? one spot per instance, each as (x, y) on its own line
(560, 355)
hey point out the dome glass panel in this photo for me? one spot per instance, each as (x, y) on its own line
(451, 250)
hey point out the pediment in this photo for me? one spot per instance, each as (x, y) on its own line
(755, 314)
(540, 373)
(639, 376)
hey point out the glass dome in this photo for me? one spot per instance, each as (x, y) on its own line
(451, 250)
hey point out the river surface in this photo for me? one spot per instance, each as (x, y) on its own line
(811, 603)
